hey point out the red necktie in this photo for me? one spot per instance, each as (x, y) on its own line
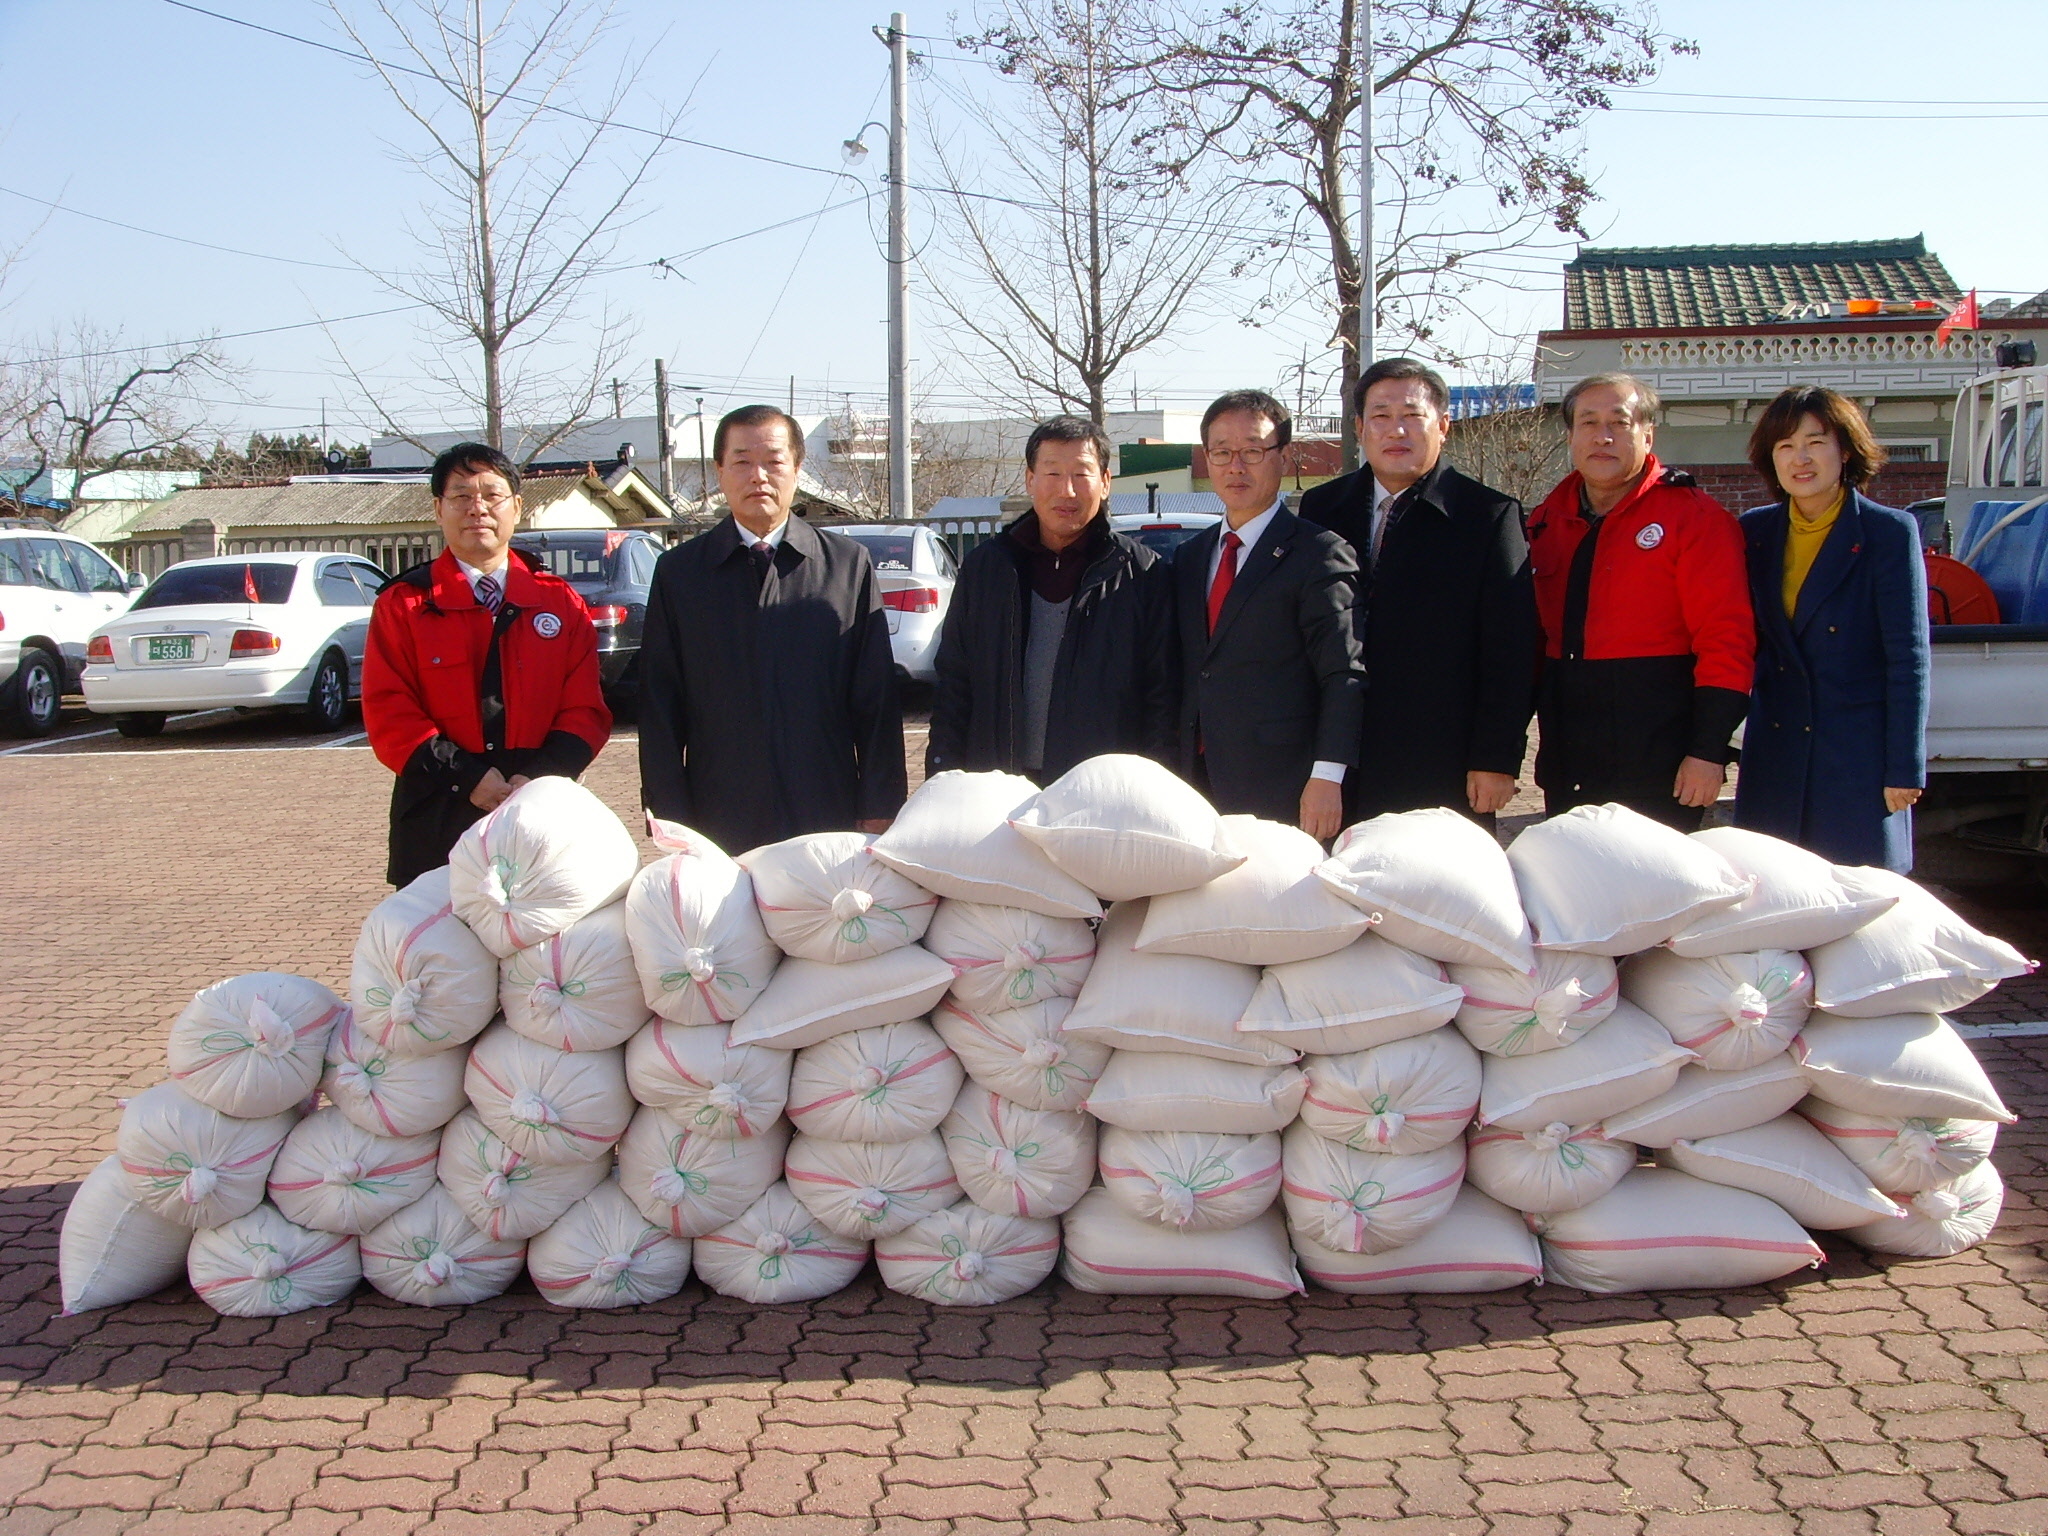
(1226, 574)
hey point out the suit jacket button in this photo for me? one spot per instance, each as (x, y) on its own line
(1205, 672)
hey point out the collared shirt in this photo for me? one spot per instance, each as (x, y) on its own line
(474, 574)
(749, 538)
(1381, 496)
(1249, 534)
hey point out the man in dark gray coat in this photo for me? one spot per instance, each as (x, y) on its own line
(768, 703)
(1059, 640)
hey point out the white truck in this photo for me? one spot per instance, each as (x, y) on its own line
(1987, 734)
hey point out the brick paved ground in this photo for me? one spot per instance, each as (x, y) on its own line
(1903, 1400)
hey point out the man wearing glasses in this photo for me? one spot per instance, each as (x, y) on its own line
(480, 670)
(1273, 688)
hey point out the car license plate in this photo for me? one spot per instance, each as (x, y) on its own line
(169, 648)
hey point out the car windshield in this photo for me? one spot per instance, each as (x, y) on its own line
(889, 551)
(1163, 538)
(252, 582)
(585, 563)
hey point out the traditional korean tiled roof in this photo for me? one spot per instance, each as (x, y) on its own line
(321, 504)
(1648, 287)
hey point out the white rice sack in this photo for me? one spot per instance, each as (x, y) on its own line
(420, 981)
(552, 1106)
(1899, 1153)
(603, 1253)
(809, 1002)
(1191, 1181)
(1801, 901)
(871, 1189)
(254, 1046)
(1662, 1230)
(1556, 1168)
(1479, 1245)
(696, 935)
(1127, 827)
(690, 1182)
(1017, 1161)
(1787, 1161)
(776, 1251)
(1733, 1010)
(1609, 880)
(1519, 1013)
(1006, 957)
(114, 1248)
(1940, 1222)
(552, 852)
(1908, 1064)
(1919, 957)
(193, 1165)
(1180, 1003)
(266, 1265)
(506, 1195)
(1110, 1252)
(825, 897)
(391, 1095)
(890, 1083)
(1404, 1097)
(691, 1074)
(576, 990)
(1269, 910)
(1704, 1102)
(1365, 1202)
(966, 1256)
(1167, 1091)
(1438, 884)
(1021, 1054)
(1366, 994)
(954, 838)
(430, 1255)
(334, 1176)
(1626, 1061)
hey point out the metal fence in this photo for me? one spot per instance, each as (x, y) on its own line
(390, 553)
(962, 534)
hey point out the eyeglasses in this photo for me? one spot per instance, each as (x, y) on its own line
(1250, 458)
(469, 499)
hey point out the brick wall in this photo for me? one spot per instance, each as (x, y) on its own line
(1737, 487)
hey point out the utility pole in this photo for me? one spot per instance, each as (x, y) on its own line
(618, 401)
(664, 432)
(898, 39)
(703, 462)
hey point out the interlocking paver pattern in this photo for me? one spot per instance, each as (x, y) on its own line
(1878, 1400)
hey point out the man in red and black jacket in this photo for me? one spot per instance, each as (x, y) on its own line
(480, 671)
(1649, 642)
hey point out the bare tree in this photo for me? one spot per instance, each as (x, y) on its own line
(81, 400)
(531, 190)
(1519, 449)
(1479, 110)
(1086, 255)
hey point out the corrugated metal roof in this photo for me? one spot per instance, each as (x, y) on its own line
(1653, 287)
(1121, 504)
(311, 504)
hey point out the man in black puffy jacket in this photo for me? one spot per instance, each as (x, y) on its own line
(1059, 644)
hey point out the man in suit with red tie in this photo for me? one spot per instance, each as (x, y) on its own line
(1272, 697)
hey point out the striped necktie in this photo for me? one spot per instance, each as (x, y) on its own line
(488, 593)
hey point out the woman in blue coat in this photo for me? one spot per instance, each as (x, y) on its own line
(1834, 754)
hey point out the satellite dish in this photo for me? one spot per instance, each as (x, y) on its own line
(336, 459)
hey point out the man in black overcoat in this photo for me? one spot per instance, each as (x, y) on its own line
(768, 703)
(1447, 607)
(1059, 642)
(1271, 683)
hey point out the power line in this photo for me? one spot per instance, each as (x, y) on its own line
(204, 245)
(200, 341)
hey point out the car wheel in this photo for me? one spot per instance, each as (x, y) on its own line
(38, 693)
(327, 699)
(140, 725)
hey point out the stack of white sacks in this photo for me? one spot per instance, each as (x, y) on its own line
(1419, 1064)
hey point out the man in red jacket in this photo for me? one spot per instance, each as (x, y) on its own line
(1649, 644)
(480, 671)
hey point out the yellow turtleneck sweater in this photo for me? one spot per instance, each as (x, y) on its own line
(1803, 539)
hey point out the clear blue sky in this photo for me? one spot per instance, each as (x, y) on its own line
(153, 115)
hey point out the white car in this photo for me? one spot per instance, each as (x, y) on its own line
(916, 571)
(54, 591)
(237, 631)
(1164, 533)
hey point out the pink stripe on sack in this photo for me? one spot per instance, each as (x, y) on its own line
(484, 1072)
(947, 1005)
(675, 901)
(1200, 1194)
(975, 965)
(368, 1173)
(1435, 1114)
(836, 1182)
(1591, 1002)
(1188, 1274)
(794, 1253)
(1844, 1130)
(419, 931)
(311, 1258)
(413, 1258)
(1489, 1138)
(562, 1285)
(661, 1044)
(1629, 1244)
(1413, 1194)
(1529, 1270)
(895, 1077)
(925, 1258)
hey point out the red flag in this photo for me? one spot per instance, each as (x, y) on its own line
(1962, 318)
